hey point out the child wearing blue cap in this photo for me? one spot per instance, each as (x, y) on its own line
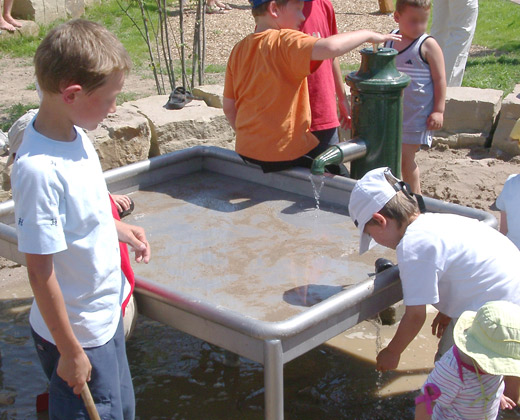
(451, 262)
(266, 99)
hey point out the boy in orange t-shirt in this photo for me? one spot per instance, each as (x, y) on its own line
(266, 99)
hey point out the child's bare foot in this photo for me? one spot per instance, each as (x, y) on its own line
(9, 19)
(6, 26)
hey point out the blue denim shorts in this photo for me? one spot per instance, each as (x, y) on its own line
(110, 384)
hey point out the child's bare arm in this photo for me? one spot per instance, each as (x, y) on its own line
(74, 366)
(230, 111)
(421, 413)
(343, 105)
(409, 327)
(433, 55)
(503, 223)
(339, 44)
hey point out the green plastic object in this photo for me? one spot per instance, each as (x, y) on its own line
(377, 107)
(339, 153)
(331, 156)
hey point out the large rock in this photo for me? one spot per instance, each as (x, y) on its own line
(509, 114)
(195, 124)
(213, 95)
(469, 116)
(122, 138)
(48, 11)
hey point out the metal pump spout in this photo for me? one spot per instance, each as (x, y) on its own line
(339, 153)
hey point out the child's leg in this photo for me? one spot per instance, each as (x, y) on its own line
(6, 20)
(111, 383)
(512, 389)
(446, 341)
(409, 168)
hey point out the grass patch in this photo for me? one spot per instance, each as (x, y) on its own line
(498, 30)
(215, 68)
(13, 113)
(111, 16)
(108, 14)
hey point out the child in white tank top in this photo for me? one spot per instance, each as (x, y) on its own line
(420, 57)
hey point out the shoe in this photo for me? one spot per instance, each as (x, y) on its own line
(178, 98)
(213, 10)
(128, 210)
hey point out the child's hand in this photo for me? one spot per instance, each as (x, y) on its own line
(506, 403)
(134, 236)
(122, 202)
(387, 360)
(434, 121)
(439, 324)
(377, 38)
(75, 369)
(344, 114)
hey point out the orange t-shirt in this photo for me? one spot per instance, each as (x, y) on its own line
(266, 77)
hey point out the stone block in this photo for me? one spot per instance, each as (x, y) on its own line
(461, 140)
(122, 138)
(5, 179)
(195, 124)
(509, 114)
(470, 110)
(48, 11)
(213, 95)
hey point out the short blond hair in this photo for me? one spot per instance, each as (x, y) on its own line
(79, 52)
(400, 5)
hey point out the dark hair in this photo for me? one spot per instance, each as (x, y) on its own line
(260, 10)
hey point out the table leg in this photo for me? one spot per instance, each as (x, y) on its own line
(273, 380)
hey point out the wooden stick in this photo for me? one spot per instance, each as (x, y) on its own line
(375, 47)
(89, 403)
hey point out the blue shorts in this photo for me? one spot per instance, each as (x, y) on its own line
(417, 137)
(110, 384)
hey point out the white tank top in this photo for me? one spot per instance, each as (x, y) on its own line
(418, 95)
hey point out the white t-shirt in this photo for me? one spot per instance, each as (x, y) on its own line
(456, 264)
(62, 208)
(509, 201)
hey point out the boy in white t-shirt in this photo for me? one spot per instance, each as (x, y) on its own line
(451, 262)
(65, 225)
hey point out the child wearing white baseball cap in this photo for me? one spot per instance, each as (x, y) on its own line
(452, 262)
(467, 382)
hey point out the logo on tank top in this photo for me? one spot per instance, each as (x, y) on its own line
(409, 62)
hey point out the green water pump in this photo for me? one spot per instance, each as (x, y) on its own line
(377, 92)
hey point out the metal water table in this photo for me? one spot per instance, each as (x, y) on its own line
(241, 260)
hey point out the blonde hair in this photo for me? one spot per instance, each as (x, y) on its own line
(400, 5)
(79, 52)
